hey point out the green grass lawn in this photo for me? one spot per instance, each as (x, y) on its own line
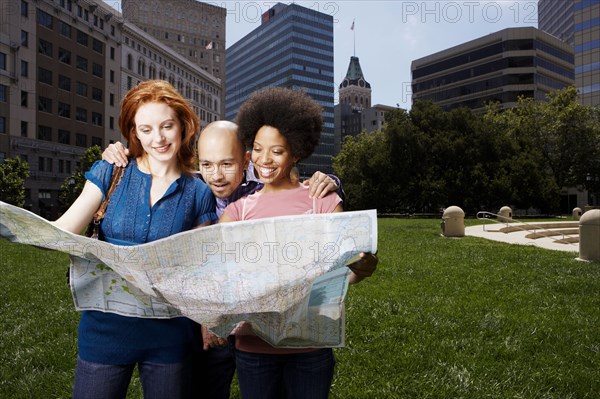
(441, 318)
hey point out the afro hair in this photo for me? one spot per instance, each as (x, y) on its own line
(293, 113)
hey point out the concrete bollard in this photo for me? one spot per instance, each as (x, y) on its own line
(589, 236)
(505, 214)
(576, 213)
(453, 223)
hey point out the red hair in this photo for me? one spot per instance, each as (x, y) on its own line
(160, 91)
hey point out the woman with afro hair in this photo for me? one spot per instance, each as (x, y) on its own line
(283, 127)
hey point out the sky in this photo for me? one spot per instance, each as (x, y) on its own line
(389, 35)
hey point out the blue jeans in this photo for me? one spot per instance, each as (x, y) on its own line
(292, 376)
(215, 372)
(110, 381)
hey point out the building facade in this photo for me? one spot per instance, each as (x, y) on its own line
(577, 23)
(144, 58)
(293, 47)
(498, 67)
(354, 113)
(192, 29)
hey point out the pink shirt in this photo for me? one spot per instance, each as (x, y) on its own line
(262, 205)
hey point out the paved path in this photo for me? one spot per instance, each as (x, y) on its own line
(491, 231)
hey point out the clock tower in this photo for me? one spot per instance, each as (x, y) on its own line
(354, 90)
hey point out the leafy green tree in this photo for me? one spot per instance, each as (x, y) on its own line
(73, 185)
(13, 173)
(363, 166)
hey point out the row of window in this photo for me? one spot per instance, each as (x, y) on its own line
(45, 104)
(46, 48)
(64, 137)
(167, 64)
(47, 20)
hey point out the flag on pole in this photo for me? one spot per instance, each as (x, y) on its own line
(352, 27)
(209, 46)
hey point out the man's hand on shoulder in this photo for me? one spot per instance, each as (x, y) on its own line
(320, 184)
(116, 154)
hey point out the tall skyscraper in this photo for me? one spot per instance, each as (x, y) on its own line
(293, 47)
(193, 29)
(497, 67)
(577, 23)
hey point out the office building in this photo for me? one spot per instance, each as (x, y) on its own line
(354, 113)
(498, 67)
(193, 29)
(577, 23)
(293, 47)
(145, 58)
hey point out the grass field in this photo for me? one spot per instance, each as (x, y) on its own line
(442, 318)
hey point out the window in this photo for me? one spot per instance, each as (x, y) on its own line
(96, 119)
(2, 124)
(68, 167)
(81, 115)
(111, 100)
(44, 76)
(61, 166)
(79, 11)
(97, 141)
(44, 133)
(98, 46)
(24, 129)
(3, 61)
(95, 20)
(82, 38)
(24, 8)
(112, 76)
(86, 15)
(44, 104)
(64, 29)
(64, 136)
(64, 82)
(42, 168)
(45, 48)
(112, 53)
(24, 68)
(80, 140)
(64, 110)
(3, 93)
(82, 63)
(97, 70)
(44, 19)
(64, 55)
(129, 62)
(81, 89)
(111, 122)
(24, 99)
(112, 30)
(96, 94)
(24, 38)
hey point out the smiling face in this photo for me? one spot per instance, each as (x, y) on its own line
(159, 131)
(222, 157)
(273, 159)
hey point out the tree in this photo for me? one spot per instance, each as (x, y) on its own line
(73, 185)
(13, 173)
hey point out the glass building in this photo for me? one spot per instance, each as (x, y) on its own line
(498, 67)
(293, 47)
(577, 23)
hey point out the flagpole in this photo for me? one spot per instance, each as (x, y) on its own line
(354, 33)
